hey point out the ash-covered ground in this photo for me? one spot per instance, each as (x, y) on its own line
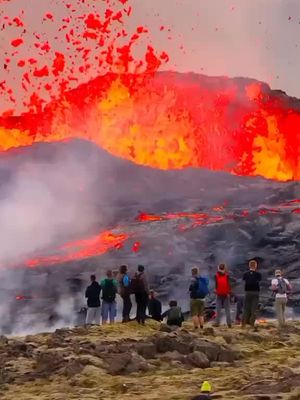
(53, 194)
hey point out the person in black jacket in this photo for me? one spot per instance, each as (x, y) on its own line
(252, 280)
(139, 287)
(154, 306)
(92, 294)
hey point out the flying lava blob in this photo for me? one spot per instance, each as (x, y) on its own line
(159, 119)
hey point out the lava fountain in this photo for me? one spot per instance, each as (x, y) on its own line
(173, 121)
(158, 119)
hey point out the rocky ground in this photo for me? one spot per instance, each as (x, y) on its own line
(133, 362)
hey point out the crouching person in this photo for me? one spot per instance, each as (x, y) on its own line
(173, 314)
(109, 288)
(92, 294)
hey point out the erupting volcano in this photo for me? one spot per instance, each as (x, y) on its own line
(84, 80)
(173, 121)
(158, 119)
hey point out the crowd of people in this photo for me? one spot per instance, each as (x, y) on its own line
(121, 283)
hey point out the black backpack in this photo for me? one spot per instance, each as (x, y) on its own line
(109, 291)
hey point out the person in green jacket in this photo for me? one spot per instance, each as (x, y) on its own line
(109, 287)
(173, 314)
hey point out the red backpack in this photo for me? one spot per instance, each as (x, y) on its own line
(222, 284)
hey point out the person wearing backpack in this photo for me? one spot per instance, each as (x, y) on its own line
(252, 280)
(174, 314)
(281, 288)
(223, 291)
(124, 291)
(198, 291)
(139, 287)
(109, 288)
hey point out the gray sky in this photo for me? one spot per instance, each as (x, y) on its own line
(252, 38)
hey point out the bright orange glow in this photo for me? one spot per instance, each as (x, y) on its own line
(80, 249)
(158, 119)
(172, 121)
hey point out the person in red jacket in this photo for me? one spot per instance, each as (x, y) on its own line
(223, 294)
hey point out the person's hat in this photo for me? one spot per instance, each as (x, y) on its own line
(206, 387)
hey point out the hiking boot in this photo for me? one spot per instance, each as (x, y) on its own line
(229, 326)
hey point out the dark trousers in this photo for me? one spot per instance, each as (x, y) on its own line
(250, 307)
(141, 305)
(127, 305)
(174, 322)
(239, 309)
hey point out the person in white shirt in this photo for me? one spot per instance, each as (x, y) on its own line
(281, 287)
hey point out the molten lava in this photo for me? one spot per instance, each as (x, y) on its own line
(172, 121)
(161, 120)
(80, 249)
(183, 221)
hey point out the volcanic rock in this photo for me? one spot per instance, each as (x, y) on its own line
(198, 359)
(49, 362)
(131, 349)
(146, 350)
(126, 363)
(172, 356)
(211, 350)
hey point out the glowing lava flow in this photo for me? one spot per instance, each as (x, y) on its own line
(183, 221)
(81, 249)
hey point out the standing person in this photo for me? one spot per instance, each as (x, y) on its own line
(124, 290)
(198, 291)
(154, 306)
(252, 280)
(109, 288)
(223, 291)
(281, 287)
(92, 294)
(139, 287)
